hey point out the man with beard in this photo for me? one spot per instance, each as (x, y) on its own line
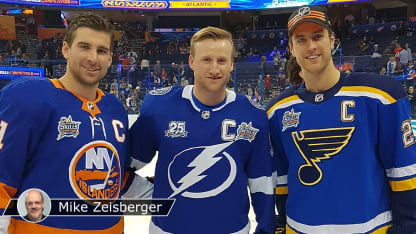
(65, 136)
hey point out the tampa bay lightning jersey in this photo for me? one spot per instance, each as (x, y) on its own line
(340, 153)
(206, 158)
(63, 144)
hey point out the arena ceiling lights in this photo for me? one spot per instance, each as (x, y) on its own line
(178, 4)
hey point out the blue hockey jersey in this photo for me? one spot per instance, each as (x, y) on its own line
(65, 145)
(207, 157)
(340, 153)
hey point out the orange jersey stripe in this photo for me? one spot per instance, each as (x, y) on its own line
(22, 227)
(6, 192)
(95, 110)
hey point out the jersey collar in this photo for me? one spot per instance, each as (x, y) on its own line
(87, 105)
(187, 94)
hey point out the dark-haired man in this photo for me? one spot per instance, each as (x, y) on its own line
(65, 136)
(344, 146)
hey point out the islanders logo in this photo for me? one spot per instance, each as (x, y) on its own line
(95, 172)
(67, 128)
(290, 119)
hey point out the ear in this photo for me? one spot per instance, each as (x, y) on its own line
(191, 62)
(65, 50)
(332, 40)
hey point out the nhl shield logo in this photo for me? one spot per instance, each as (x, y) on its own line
(67, 128)
(304, 11)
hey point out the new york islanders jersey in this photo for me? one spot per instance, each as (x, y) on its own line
(340, 153)
(207, 157)
(69, 147)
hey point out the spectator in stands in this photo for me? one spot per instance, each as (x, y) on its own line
(363, 45)
(39, 49)
(145, 64)
(132, 103)
(411, 72)
(276, 60)
(375, 61)
(249, 90)
(256, 98)
(184, 81)
(412, 99)
(409, 51)
(392, 67)
(157, 69)
(164, 76)
(268, 84)
(383, 71)
(283, 82)
(397, 49)
(263, 64)
(274, 94)
(403, 58)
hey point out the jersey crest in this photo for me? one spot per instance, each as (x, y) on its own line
(67, 128)
(197, 182)
(95, 171)
(318, 145)
(246, 131)
(290, 119)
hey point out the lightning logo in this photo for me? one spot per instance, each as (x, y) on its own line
(202, 162)
(318, 145)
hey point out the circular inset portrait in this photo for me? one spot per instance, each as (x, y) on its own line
(33, 205)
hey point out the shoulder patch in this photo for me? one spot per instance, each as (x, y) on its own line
(160, 91)
(255, 104)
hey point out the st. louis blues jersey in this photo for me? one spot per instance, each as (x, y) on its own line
(345, 158)
(65, 145)
(207, 157)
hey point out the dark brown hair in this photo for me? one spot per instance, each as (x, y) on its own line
(91, 21)
(293, 70)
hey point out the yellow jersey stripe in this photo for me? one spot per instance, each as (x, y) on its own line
(365, 89)
(281, 190)
(403, 185)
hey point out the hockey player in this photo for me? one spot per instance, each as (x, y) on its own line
(65, 136)
(212, 143)
(346, 158)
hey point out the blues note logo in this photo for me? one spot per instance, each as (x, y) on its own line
(317, 145)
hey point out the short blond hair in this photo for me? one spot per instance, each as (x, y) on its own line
(211, 33)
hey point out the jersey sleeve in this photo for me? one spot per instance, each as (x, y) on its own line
(20, 131)
(143, 142)
(280, 166)
(397, 150)
(260, 180)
